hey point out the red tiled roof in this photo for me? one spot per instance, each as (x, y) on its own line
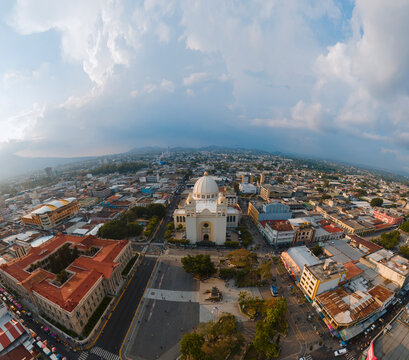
(352, 270)
(279, 225)
(87, 270)
(331, 228)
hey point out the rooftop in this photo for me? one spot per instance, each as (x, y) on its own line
(394, 262)
(87, 270)
(348, 308)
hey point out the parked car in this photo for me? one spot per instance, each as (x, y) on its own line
(340, 352)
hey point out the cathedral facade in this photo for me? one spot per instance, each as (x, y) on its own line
(206, 215)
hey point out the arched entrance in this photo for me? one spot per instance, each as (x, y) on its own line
(206, 231)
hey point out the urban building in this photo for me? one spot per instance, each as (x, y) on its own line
(247, 188)
(94, 273)
(295, 258)
(51, 214)
(388, 216)
(268, 191)
(277, 232)
(344, 308)
(259, 211)
(100, 192)
(389, 265)
(303, 232)
(205, 214)
(12, 333)
(319, 278)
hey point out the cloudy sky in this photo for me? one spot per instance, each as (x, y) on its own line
(320, 77)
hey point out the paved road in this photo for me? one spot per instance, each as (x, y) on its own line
(109, 343)
(162, 323)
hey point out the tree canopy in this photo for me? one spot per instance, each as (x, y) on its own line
(376, 202)
(199, 265)
(405, 227)
(268, 330)
(388, 240)
(212, 341)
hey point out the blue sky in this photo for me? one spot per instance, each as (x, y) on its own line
(320, 77)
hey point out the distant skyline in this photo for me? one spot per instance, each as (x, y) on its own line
(325, 78)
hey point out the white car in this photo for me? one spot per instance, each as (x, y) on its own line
(340, 352)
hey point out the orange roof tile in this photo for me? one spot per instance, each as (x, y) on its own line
(87, 270)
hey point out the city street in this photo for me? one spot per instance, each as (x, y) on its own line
(114, 332)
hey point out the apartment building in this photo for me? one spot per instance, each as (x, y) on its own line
(318, 278)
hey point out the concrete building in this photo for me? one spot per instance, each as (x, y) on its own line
(52, 213)
(268, 191)
(389, 265)
(319, 278)
(100, 192)
(259, 211)
(303, 232)
(388, 216)
(95, 273)
(246, 188)
(206, 214)
(344, 308)
(277, 232)
(295, 258)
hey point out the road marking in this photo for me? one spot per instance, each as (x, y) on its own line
(137, 309)
(83, 355)
(171, 295)
(104, 354)
(350, 356)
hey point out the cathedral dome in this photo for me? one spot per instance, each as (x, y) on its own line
(205, 188)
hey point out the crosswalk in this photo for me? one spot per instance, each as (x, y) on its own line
(104, 354)
(308, 357)
(350, 356)
(83, 355)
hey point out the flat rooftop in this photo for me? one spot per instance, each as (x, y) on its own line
(394, 262)
(394, 345)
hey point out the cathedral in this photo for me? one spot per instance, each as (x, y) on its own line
(206, 214)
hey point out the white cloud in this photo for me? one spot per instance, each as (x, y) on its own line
(167, 85)
(195, 78)
(93, 33)
(190, 92)
(163, 32)
(303, 116)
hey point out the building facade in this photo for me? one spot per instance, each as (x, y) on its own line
(51, 214)
(319, 278)
(206, 214)
(95, 273)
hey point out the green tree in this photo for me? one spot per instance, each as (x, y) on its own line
(199, 265)
(375, 202)
(388, 240)
(317, 250)
(404, 251)
(325, 197)
(405, 227)
(268, 330)
(191, 347)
